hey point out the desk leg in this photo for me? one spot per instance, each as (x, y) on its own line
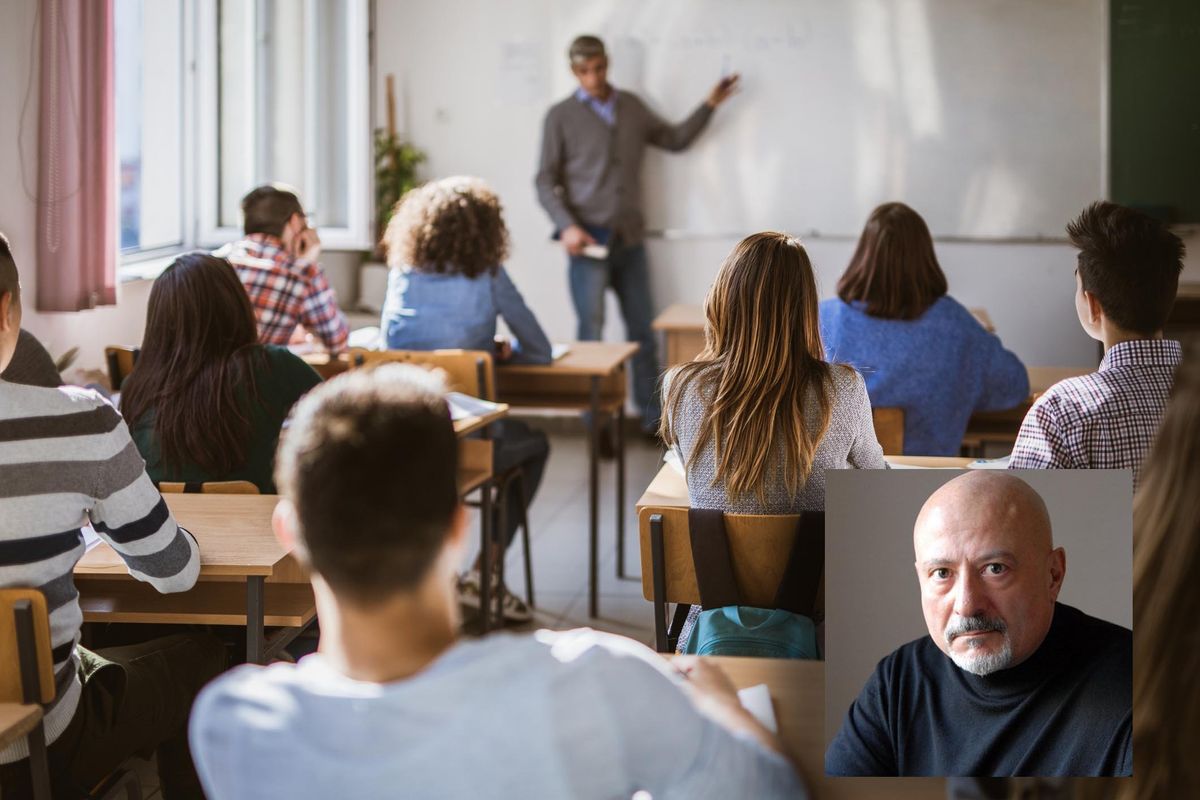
(593, 499)
(621, 489)
(485, 550)
(255, 635)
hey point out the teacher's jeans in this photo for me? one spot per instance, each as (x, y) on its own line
(627, 272)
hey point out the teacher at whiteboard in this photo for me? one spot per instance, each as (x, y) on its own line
(589, 183)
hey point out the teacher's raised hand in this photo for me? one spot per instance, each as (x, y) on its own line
(724, 88)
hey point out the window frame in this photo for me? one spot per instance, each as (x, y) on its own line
(356, 234)
(148, 262)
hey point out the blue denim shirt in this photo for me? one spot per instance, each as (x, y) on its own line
(431, 311)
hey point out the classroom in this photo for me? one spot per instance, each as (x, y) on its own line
(552, 399)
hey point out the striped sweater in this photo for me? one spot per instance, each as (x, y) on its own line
(66, 459)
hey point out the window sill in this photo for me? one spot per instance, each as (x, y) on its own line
(135, 268)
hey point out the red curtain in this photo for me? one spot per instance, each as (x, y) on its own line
(76, 220)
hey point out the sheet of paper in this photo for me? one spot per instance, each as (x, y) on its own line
(990, 463)
(90, 537)
(557, 351)
(757, 700)
(673, 458)
(464, 405)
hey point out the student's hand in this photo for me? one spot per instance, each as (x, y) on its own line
(707, 680)
(724, 88)
(504, 349)
(306, 245)
(575, 238)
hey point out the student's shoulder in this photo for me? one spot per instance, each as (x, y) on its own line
(605, 655)
(249, 696)
(1074, 396)
(50, 401)
(848, 383)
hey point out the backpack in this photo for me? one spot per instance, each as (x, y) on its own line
(726, 628)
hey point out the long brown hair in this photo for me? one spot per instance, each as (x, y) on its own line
(452, 226)
(763, 362)
(1166, 605)
(894, 269)
(196, 370)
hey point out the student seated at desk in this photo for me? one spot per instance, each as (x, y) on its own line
(66, 456)
(394, 703)
(31, 365)
(760, 415)
(446, 243)
(1125, 282)
(207, 401)
(917, 348)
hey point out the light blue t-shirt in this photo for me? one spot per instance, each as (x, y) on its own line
(432, 311)
(940, 368)
(575, 714)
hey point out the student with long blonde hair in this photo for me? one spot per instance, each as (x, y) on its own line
(760, 415)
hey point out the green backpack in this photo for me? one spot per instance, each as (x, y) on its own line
(726, 628)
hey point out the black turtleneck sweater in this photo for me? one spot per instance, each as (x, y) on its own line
(1065, 710)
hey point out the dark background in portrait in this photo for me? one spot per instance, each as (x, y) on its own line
(872, 599)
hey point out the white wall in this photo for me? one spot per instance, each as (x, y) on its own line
(436, 51)
(1025, 288)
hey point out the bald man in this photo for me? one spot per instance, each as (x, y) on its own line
(1009, 681)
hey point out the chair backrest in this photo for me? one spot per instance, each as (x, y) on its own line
(25, 647)
(759, 546)
(120, 360)
(467, 371)
(208, 487)
(889, 429)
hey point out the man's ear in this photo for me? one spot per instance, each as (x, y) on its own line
(6, 307)
(283, 524)
(1095, 311)
(1058, 570)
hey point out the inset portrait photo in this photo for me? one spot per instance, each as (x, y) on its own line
(978, 623)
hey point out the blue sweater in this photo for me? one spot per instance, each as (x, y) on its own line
(939, 368)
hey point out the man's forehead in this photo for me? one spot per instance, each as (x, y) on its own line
(974, 532)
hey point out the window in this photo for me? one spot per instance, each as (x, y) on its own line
(215, 97)
(289, 90)
(150, 79)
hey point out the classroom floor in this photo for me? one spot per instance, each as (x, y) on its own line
(560, 537)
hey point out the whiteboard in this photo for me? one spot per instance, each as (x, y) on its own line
(987, 116)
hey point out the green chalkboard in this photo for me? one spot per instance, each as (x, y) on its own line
(1154, 120)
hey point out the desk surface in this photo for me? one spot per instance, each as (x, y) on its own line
(931, 462)
(798, 696)
(590, 359)
(471, 424)
(233, 531)
(686, 318)
(16, 721)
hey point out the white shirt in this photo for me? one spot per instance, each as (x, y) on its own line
(575, 714)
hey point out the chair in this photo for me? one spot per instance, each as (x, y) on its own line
(760, 547)
(27, 676)
(466, 370)
(208, 487)
(889, 429)
(470, 372)
(121, 361)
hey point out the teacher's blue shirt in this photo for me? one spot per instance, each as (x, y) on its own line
(939, 368)
(434, 311)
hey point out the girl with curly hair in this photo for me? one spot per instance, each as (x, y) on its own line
(446, 243)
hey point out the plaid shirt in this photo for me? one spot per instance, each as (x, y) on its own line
(1105, 420)
(285, 292)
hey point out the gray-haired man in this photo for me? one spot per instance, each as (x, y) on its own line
(589, 182)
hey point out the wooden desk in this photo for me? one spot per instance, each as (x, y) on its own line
(16, 721)
(929, 462)
(798, 696)
(683, 330)
(590, 377)
(236, 545)
(326, 364)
